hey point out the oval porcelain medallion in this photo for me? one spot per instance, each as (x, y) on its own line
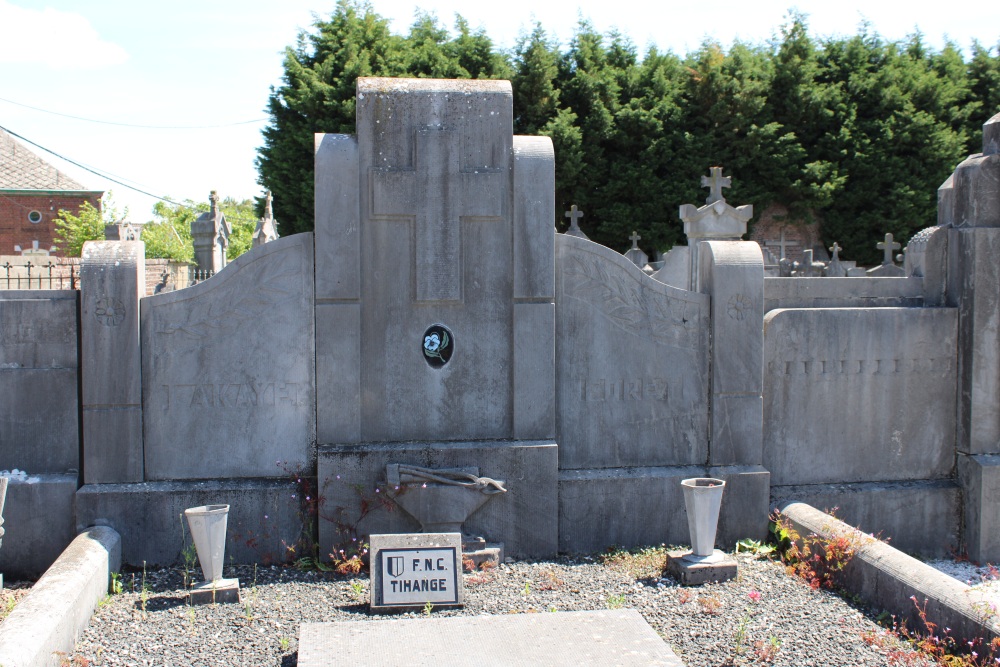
(438, 345)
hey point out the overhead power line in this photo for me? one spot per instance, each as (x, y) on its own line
(144, 127)
(94, 171)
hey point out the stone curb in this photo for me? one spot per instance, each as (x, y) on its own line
(52, 616)
(886, 579)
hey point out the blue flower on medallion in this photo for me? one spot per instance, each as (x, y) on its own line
(438, 345)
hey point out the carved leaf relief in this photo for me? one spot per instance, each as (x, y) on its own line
(631, 306)
(248, 296)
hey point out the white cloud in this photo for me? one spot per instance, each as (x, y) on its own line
(60, 40)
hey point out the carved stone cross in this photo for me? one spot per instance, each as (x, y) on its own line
(835, 250)
(437, 194)
(887, 247)
(715, 182)
(635, 238)
(574, 214)
(782, 244)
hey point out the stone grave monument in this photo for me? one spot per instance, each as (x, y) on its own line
(434, 305)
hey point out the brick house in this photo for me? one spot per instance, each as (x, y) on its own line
(31, 194)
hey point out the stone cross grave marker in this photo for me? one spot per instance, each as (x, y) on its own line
(887, 247)
(437, 172)
(715, 182)
(635, 238)
(574, 214)
(835, 252)
(782, 244)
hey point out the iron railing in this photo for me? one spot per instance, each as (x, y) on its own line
(37, 276)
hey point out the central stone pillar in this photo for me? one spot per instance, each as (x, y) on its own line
(435, 312)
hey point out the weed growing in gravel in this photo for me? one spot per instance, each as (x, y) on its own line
(67, 661)
(428, 608)
(527, 588)
(684, 596)
(8, 603)
(144, 588)
(817, 560)
(741, 630)
(615, 601)
(643, 563)
(116, 583)
(767, 652)
(550, 581)
(755, 547)
(283, 642)
(350, 553)
(710, 604)
(899, 644)
(250, 599)
(484, 574)
(358, 589)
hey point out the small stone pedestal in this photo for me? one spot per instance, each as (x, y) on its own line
(479, 551)
(211, 592)
(691, 570)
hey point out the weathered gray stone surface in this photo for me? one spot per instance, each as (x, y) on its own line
(632, 363)
(38, 523)
(859, 395)
(676, 269)
(524, 519)
(633, 507)
(265, 516)
(444, 546)
(919, 517)
(228, 372)
(885, 578)
(56, 612)
(38, 367)
(567, 639)
(979, 477)
(975, 289)
(732, 272)
(843, 293)
(975, 184)
(112, 279)
(434, 236)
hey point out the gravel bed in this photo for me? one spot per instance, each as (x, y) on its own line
(700, 623)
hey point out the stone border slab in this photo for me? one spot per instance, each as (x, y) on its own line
(565, 639)
(59, 607)
(886, 578)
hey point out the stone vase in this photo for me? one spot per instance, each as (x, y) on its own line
(702, 499)
(208, 529)
(3, 496)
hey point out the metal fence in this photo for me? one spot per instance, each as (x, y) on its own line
(38, 276)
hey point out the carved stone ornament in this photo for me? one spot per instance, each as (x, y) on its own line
(109, 311)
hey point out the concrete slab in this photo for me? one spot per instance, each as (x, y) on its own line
(619, 637)
(39, 523)
(60, 605)
(885, 578)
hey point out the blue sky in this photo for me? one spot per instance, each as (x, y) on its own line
(195, 64)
